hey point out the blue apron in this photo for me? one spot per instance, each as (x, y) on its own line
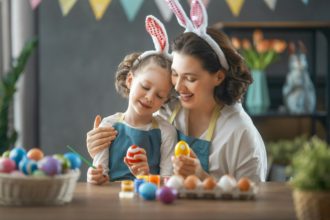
(199, 146)
(150, 141)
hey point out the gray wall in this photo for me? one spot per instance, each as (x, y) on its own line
(78, 57)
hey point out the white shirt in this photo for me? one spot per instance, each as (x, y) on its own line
(168, 141)
(237, 147)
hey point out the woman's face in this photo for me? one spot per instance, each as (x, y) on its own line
(149, 89)
(194, 84)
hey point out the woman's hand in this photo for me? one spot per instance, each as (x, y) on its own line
(99, 139)
(95, 176)
(139, 168)
(185, 166)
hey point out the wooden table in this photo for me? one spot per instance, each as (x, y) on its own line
(274, 201)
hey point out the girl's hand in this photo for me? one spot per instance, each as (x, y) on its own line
(139, 168)
(95, 176)
(186, 166)
(99, 139)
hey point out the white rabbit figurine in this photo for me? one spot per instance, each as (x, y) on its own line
(298, 90)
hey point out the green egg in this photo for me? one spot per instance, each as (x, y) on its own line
(64, 161)
(6, 154)
(39, 173)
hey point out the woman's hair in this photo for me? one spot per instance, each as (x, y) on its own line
(132, 63)
(237, 77)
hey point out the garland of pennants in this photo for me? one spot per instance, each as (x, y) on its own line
(131, 8)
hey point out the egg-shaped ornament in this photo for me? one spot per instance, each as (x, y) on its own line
(74, 159)
(17, 154)
(181, 148)
(131, 152)
(7, 165)
(148, 191)
(35, 154)
(50, 166)
(166, 194)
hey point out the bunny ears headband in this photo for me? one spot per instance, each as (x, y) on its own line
(159, 36)
(197, 25)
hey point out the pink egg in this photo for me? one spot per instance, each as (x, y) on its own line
(7, 165)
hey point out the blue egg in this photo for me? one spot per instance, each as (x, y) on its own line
(17, 154)
(74, 159)
(27, 166)
(148, 191)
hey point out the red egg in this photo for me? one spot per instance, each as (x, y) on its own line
(131, 152)
(35, 154)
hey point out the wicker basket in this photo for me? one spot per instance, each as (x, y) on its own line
(311, 205)
(24, 190)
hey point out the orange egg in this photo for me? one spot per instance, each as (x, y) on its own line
(191, 182)
(35, 154)
(209, 183)
(244, 184)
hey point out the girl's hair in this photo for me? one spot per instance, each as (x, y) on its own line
(132, 63)
(237, 77)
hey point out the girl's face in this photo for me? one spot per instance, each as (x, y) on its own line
(149, 89)
(194, 84)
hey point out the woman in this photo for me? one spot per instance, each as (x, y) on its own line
(210, 78)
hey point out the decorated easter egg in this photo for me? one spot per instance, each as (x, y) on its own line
(27, 166)
(181, 148)
(209, 183)
(191, 182)
(131, 152)
(63, 160)
(7, 165)
(166, 194)
(6, 154)
(74, 159)
(50, 166)
(17, 154)
(39, 173)
(148, 191)
(175, 182)
(244, 184)
(227, 183)
(35, 154)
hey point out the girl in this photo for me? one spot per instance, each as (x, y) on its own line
(146, 81)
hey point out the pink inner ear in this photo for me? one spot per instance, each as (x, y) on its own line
(178, 13)
(154, 29)
(196, 14)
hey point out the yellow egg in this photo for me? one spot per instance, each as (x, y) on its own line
(181, 148)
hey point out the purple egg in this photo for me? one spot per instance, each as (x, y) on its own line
(50, 166)
(166, 194)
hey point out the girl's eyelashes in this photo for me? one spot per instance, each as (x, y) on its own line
(191, 79)
(144, 87)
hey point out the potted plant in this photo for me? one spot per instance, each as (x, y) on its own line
(310, 168)
(7, 90)
(280, 154)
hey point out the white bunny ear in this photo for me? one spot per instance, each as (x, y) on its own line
(180, 14)
(158, 33)
(198, 16)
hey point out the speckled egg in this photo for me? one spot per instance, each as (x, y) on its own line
(50, 166)
(131, 152)
(209, 183)
(175, 182)
(244, 184)
(191, 182)
(7, 165)
(74, 159)
(17, 154)
(166, 194)
(181, 148)
(35, 154)
(227, 183)
(148, 191)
